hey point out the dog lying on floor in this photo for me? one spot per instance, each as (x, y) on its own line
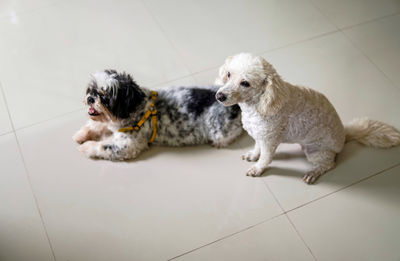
(125, 118)
(275, 111)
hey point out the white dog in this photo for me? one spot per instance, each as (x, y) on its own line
(275, 111)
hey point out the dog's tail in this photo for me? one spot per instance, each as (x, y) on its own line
(372, 133)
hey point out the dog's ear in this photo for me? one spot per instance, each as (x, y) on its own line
(275, 93)
(125, 96)
(222, 73)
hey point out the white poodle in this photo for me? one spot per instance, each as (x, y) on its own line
(275, 111)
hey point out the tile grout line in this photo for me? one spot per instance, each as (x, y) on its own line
(168, 38)
(345, 187)
(285, 212)
(368, 21)
(49, 119)
(169, 81)
(353, 25)
(258, 53)
(338, 29)
(355, 45)
(290, 221)
(5, 133)
(300, 236)
(273, 49)
(342, 29)
(227, 236)
(27, 174)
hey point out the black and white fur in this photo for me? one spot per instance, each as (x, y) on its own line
(186, 116)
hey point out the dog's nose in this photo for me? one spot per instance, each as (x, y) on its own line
(221, 97)
(90, 100)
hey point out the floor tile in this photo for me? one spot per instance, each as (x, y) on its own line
(22, 234)
(206, 77)
(358, 223)
(356, 88)
(272, 240)
(49, 54)
(380, 41)
(186, 81)
(346, 13)
(5, 124)
(169, 201)
(206, 32)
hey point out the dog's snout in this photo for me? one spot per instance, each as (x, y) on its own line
(221, 97)
(90, 100)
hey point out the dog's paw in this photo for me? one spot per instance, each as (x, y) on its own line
(251, 156)
(255, 171)
(80, 137)
(219, 145)
(89, 148)
(310, 177)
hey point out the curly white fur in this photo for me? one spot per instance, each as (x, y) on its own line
(275, 111)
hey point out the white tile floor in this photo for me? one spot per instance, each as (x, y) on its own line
(193, 203)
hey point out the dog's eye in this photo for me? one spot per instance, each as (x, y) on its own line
(245, 84)
(104, 100)
(229, 75)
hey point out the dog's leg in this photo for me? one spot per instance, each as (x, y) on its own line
(267, 150)
(113, 148)
(91, 131)
(252, 155)
(323, 161)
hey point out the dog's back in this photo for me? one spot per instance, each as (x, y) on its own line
(313, 119)
(191, 115)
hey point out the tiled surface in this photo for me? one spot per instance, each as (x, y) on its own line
(347, 13)
(21, 230)
(206, 32)
(5, 124)
(49, 54)
(193, 203)
(134, 206)
(380, 41)
(358, 223)
(273, 240)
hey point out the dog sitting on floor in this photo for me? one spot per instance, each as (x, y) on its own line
(125, 118)
(275, 111)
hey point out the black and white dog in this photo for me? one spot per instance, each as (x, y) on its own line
(125, 118)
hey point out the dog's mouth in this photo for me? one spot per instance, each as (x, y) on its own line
(92, 112)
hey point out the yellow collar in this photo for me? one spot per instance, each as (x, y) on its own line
(153, 112)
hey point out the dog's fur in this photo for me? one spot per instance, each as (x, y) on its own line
(186, 116)
(275, 111)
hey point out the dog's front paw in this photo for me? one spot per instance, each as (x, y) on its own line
(251, 156)
(311, 177)
(255, 171)
(89, 148)
(80, 136)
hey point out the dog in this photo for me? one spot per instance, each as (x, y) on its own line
(275, 111)
(125, 118)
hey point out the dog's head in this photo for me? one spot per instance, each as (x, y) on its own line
(246, 78)
(112, 96)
